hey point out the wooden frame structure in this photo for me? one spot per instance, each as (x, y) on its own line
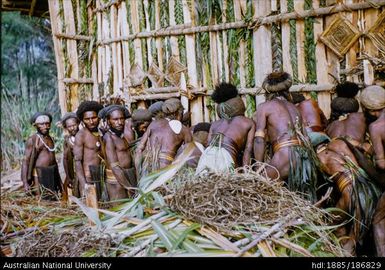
(146, 50)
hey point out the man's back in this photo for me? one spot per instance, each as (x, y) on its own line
(280, 116)
(353, 126)
(234, 129)
(312, 115)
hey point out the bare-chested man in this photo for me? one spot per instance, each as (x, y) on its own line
(120, 174)
(162, 139)
(200, 141)
(156, 110)
(231, 137)
(280, 122)
(338, 161)
(87, 149)
(373, 102)
(70, 122)
(39, 169)
(313, 119)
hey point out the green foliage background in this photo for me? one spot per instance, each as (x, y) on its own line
(28, 82)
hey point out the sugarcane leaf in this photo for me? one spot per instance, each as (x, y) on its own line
(183, 236)
(91, 213)
(158, 199)
(167, 239)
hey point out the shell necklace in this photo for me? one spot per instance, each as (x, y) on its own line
(45, 145)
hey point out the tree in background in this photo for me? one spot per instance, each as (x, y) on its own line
(28, 82)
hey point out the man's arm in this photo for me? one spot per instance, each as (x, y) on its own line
(187, 135)
(78, 156)
(113, 162)
(128, 132)
(141, 146)
(26, 162)
(378, 147)
(67, 161)
(259, 141)
(249, 145)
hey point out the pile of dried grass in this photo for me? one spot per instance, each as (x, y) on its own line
(70, 243)
(235, 200)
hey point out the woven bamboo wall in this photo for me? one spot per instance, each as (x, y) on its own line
(144, 50)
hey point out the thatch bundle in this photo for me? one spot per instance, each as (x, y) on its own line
(244, 199)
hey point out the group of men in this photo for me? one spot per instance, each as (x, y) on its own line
(113, 149)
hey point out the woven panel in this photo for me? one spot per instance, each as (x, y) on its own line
(377, 33)
(155, 75)
(340, 36)
(174, 69)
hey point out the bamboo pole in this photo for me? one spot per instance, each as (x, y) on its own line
(300, 37)
(257, 22)
(107, 68)
(100, 49)
(158, 40)
(72, 51)
(53, 6)
(370, 19)
(119, 52)
(91, 197)
(262, 48)
(135, 28)
(148, 40)
(239, 7)
(351, 57)
(72, 36)
(324, 98)
(176, 54)
(154, 96)
(124, 30)
(114, 50)
(78, 81)
(107, 6)
(225, 46)
(195, 105)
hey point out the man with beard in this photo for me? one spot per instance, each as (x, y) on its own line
(70, 122)
(293, 156)
(39, 168)
(87, 149)
(373, 102)
(120, 174)
(356, 194)
(162, 139)
(231, 137)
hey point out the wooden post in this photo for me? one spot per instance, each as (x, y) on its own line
(285, 28)
(148, 28)
(94, 56)
(225, 46)
(175, 53)
(107, 53)
(239, 7)
(195, 105)
(300, 35)
(371, 16)
(59, 57)
(135, 28)
(333, 67)
(124, 31)
(113, 33)
(324, 98)
(72, 51)
(158, 41)
(91, 197)
(100, 47)
(262, 48)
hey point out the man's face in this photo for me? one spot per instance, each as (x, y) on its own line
(72, 126)
(91, 120)
(43, 128)
(116, 120)
(142, 127)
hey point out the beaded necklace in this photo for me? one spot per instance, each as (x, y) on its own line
(45, 145)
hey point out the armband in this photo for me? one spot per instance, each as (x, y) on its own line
(114, 164)
(259, 133)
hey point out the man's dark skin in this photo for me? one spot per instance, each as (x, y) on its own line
(312, 116)
(377, 134)
(72, 126)
(131, 129)
(238, 136)
(86, 150)
(274, 116)
(159, 134)
(118, 156)
(44, 158)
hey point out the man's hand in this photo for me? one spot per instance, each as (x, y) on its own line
(27, 188)
(68, 182)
